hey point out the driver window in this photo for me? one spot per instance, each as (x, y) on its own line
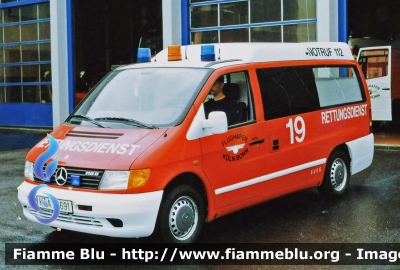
(231, 94)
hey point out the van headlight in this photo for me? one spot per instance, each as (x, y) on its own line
(28, 172)
(119, 180)
(114, 180)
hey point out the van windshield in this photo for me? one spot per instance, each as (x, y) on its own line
(141, 98)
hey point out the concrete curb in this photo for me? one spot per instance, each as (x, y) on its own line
(388, 147)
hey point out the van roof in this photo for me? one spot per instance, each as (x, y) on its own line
(232, 53)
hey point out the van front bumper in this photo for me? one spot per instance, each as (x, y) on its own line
(116, 215)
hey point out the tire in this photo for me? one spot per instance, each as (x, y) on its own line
(182, 215)
(336, 176)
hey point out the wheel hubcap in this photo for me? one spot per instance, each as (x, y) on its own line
(183, 218)
(338, 174)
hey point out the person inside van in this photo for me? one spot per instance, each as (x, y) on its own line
(222, 103)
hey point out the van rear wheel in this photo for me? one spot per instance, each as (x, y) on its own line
(181, 215)
(337, 175)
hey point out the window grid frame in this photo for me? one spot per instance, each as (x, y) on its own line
(3, 46)
(248, 26)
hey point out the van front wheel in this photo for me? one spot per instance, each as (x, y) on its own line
(181, 215)
(337, 175)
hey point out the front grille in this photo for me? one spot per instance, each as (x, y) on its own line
(90, 178)
(68, 218)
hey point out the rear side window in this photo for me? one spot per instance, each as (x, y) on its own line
(289, 91)
(337, 86)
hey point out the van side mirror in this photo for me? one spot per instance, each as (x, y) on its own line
(216, 123)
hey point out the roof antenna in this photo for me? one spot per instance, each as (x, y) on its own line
(186, 52)
(140, 41)
(219, 53)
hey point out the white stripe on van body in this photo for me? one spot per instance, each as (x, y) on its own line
(270, 176)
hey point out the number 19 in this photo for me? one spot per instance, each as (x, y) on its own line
(295, 128)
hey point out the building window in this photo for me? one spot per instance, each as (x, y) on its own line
(25, 53)
(221, 21)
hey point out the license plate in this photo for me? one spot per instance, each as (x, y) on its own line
(45, 203)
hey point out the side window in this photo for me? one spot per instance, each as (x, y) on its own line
(374, 63)
(287, 90)
(231, 94)
(337, 85)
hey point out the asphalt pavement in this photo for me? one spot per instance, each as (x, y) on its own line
(367, 214)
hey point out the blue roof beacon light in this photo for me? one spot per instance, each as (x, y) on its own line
(207, 53)
(143, 55)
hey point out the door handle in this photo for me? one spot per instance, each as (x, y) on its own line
(385, 88)
(275, 145)
(257, 141)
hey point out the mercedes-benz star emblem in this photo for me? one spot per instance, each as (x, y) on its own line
(61, 176)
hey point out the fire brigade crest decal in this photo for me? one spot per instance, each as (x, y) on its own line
(235, 146)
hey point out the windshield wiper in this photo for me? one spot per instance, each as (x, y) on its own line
(91, 120)
(127, 121)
